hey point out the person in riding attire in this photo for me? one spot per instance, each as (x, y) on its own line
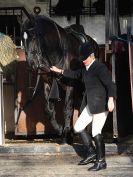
(98, 100)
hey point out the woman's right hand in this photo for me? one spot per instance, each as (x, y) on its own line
(57, 70)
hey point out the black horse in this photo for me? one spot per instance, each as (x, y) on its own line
(47, 44)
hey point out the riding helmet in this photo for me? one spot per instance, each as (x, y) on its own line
(85, 50)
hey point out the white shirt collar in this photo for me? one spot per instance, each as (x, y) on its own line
(87, 66)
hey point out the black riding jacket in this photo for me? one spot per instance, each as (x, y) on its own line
(98, 86)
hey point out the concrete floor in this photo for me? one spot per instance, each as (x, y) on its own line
(62, 166)
(38, 158)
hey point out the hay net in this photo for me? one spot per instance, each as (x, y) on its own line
(7, 51)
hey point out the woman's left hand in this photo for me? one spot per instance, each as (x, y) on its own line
(111, 104)
(55, 69)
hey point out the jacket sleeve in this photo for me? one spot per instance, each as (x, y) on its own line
(76, 74)
(105, 77)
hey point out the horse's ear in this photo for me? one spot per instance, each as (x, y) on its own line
(32, 19)
(19, 19)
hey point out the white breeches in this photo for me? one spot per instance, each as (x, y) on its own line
(85, 118)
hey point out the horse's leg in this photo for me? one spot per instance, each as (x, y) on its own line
(68, 113)
(50, 110)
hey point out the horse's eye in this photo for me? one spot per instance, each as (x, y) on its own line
(34, 52)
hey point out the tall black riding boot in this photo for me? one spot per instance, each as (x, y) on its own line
(100, 151)
(91, 155)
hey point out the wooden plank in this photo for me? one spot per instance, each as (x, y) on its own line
(115, 125)
(130, 49)
(111, 29)
(2, 133)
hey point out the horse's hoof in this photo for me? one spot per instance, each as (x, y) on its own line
(67, 140)
(60, 130)
(64, 141)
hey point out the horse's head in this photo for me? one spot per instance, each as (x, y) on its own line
(32, 45)
(42, 46)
